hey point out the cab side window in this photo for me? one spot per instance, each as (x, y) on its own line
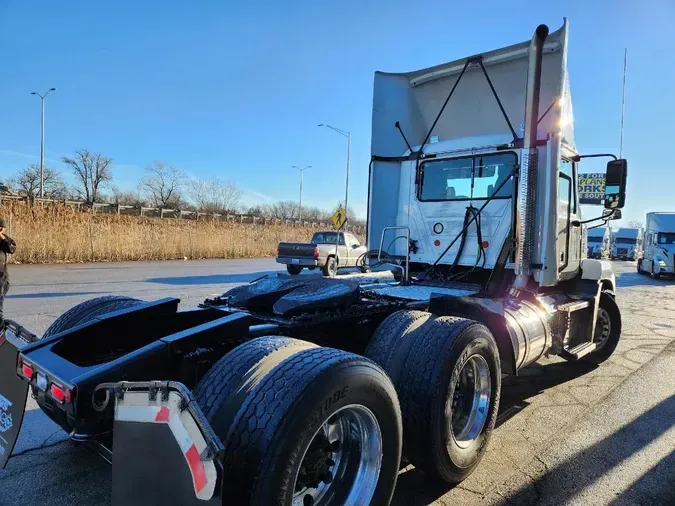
(567, 186)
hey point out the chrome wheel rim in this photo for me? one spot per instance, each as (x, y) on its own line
(603, 327)
(468, 402)
(342, 463)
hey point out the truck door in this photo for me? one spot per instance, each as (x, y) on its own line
(569, 236)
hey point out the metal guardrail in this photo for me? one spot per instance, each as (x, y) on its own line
(169, 213)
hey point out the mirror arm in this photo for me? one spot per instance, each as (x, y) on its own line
(606, 217)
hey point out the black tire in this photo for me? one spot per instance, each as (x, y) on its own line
(88, 310)
(609, 322)
(390, 345)
(294, 270)
(77, 315)
(639, 266)
(298, 389)
(434, 367)
(330, 269)
(226, 384)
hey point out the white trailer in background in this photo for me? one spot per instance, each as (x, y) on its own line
(598, 242)
(659, 252)
(627, 244)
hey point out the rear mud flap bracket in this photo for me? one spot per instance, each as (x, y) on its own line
(164, 451)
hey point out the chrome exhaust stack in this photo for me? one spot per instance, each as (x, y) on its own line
(529, 165)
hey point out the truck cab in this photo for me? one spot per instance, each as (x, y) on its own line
(627, 244)
(598, 242)
(659, 250)
(474, 162)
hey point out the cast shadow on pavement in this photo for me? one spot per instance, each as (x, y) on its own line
(582, 470)
(211, 279)
(629, 279)
(415, 489)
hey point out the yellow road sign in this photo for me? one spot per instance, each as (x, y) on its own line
(339, 218)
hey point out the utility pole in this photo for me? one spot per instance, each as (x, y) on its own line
(348, 135)
(301, 169)
(623, 100)
(42, 141)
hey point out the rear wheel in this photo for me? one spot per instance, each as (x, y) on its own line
(330, 269)
(449, 392)
(294, 270)
(304, 425)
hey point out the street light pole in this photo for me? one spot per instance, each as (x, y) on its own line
(42, 141)
(301, 169)
(348, 135)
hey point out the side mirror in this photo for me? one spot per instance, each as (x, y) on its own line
(611, 214)
(615, 184)
(355, 246)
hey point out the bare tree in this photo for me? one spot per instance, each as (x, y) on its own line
(635, 224)
(215, 195)
(92, 171)
(27, 181)
(127, 198)
(162, 183)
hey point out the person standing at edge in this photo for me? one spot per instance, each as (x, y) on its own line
(7, 247)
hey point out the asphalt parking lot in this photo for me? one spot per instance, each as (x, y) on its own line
(567, 433)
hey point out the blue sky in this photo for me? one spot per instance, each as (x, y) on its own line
(236, 89)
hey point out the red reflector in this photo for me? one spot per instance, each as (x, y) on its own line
(437, 242)
(485, 244)
(197, 468)
(59, 393)
(162, 414)
(27, 370)
(3, 338)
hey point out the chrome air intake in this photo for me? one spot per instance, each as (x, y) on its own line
(529, 164)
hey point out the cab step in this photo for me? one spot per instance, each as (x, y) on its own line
(579, 351)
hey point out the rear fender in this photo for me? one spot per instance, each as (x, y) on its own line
(164, 451)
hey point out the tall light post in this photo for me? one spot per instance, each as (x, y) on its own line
(301, 169)
(344, 133)
(42, 141)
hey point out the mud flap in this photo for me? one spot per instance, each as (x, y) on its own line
(164, 451)
(13, 394)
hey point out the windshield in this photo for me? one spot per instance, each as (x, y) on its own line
(472, 177)
(666, 238)
(324, 238)
(594, 239)
(625, 240)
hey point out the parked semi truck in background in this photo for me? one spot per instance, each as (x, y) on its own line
(659, 248)
(598, 242)
(627, 244)
(307, 390)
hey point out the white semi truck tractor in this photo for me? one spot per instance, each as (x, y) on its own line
(307, 390)
(659, 245)
(627, 243)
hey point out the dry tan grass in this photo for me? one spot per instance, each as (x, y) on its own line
(62, 234)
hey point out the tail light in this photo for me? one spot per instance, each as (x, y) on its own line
(59, 393)
(316, 252)
(27, 371)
